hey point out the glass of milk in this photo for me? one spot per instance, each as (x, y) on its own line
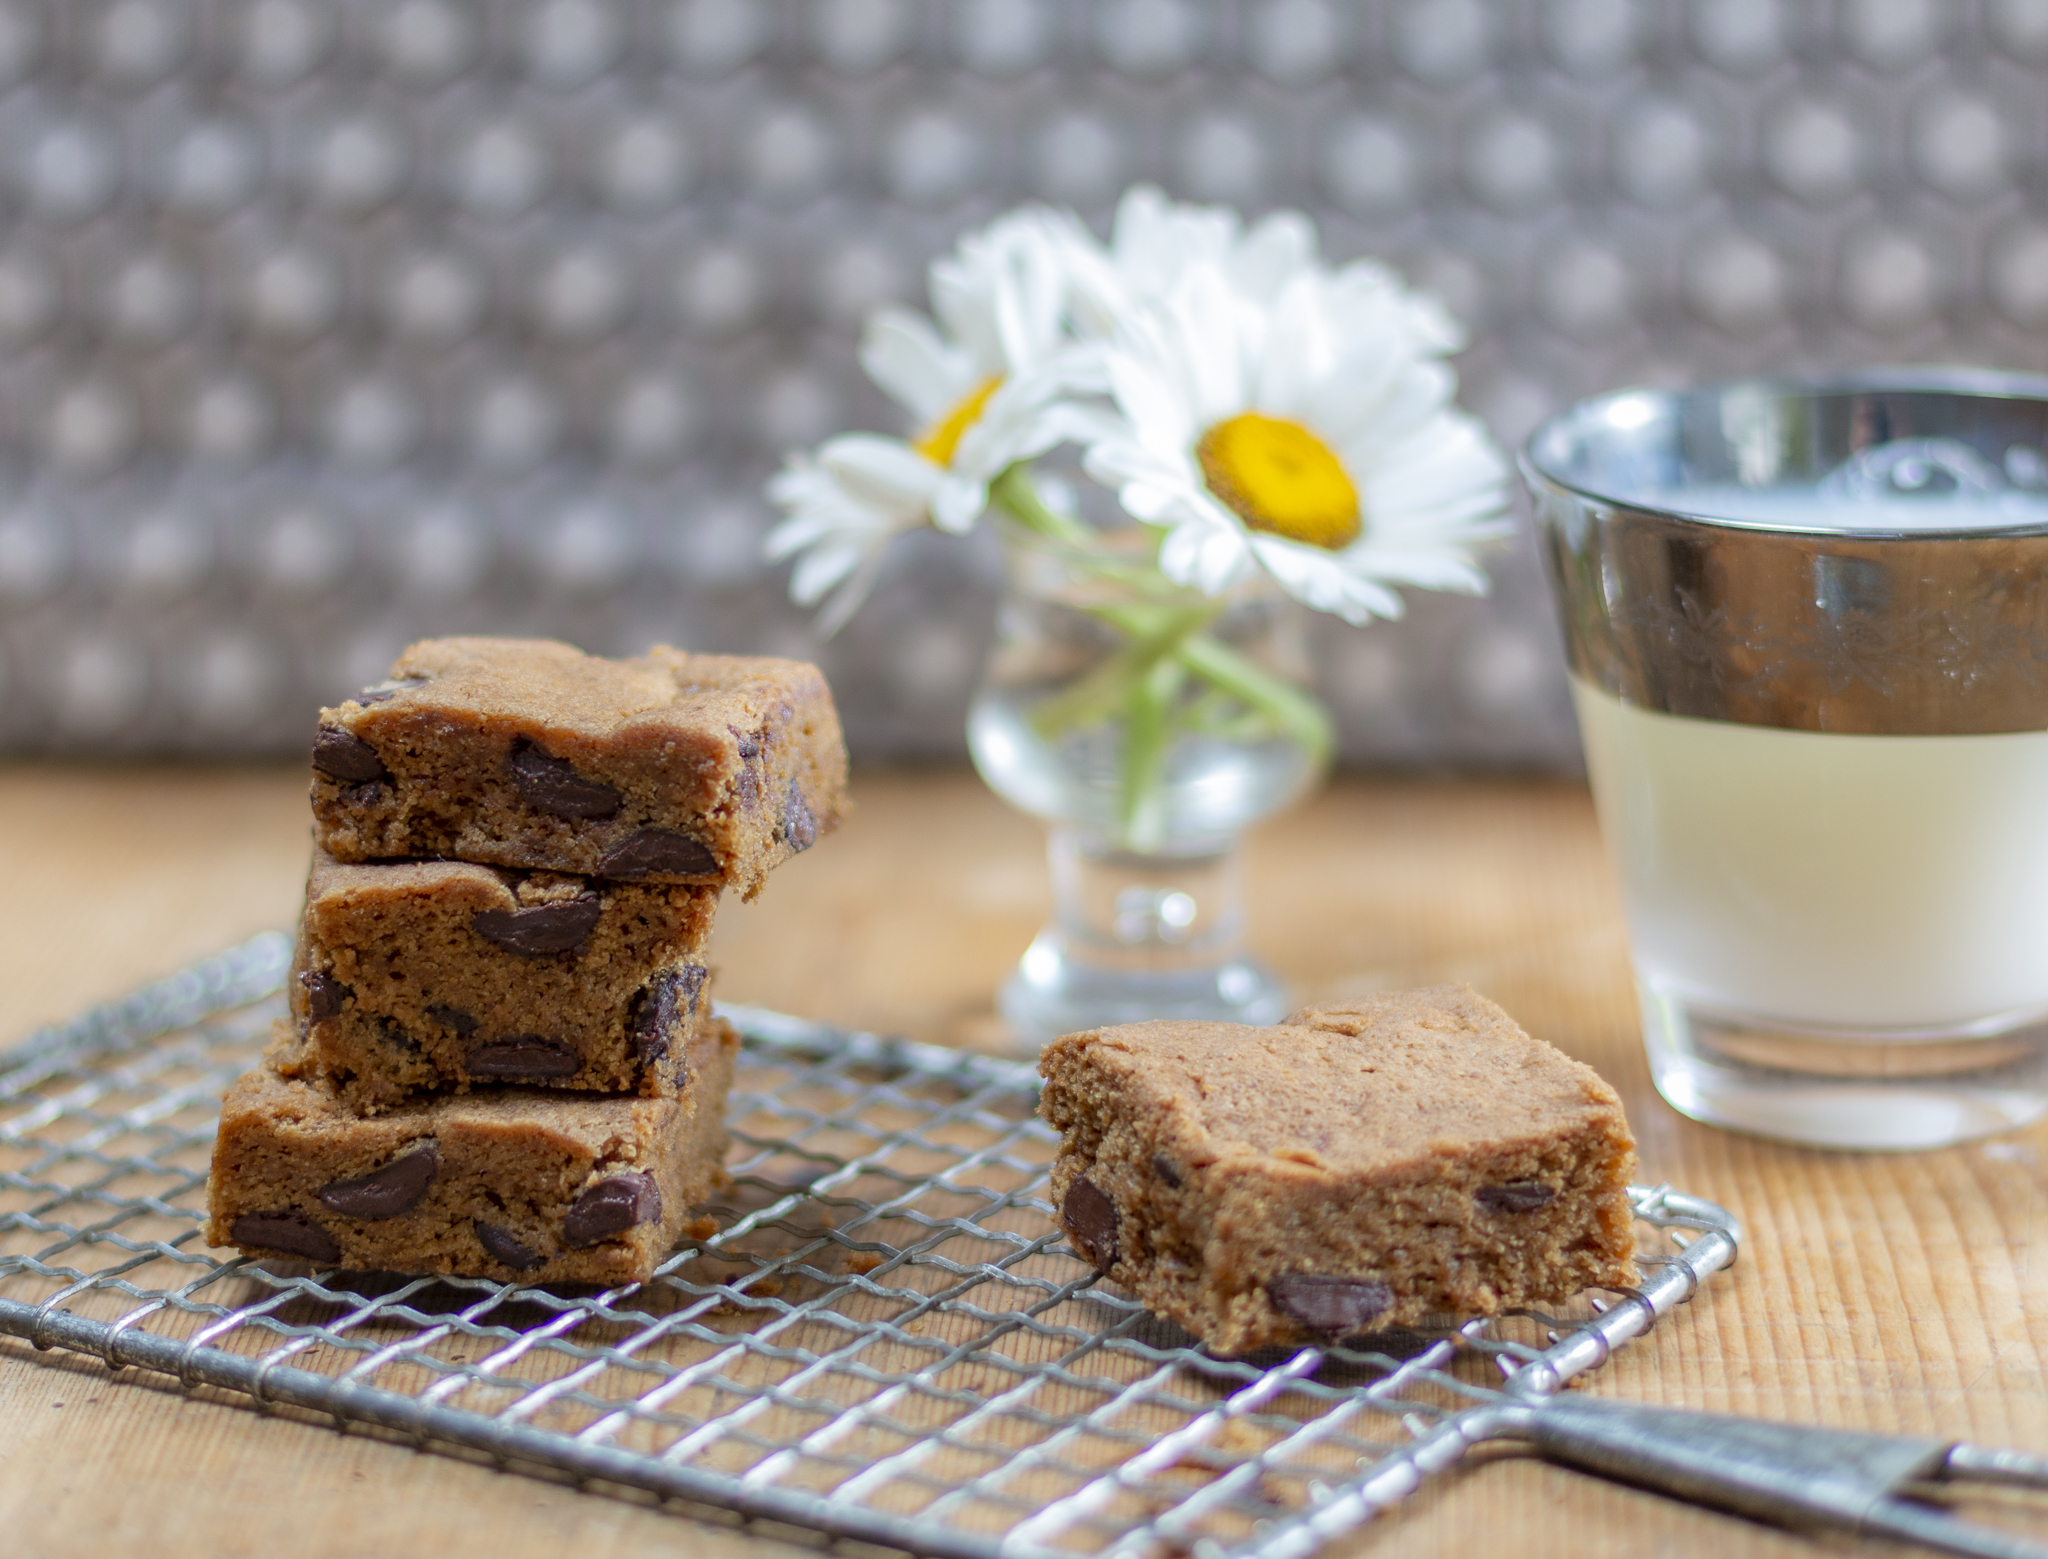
(1807, 627)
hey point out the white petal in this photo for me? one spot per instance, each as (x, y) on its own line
(820, 569)
(1207, 556)
(883, 471)
(1277, 248)
(1151, 389)
(958, 503)
(1215, 333)
(907, 357)
(1154, 240)
(1320, 580)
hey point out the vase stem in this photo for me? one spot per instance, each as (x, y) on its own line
(1137, 936)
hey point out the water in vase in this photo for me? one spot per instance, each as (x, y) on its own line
(1213, 789)
(1144, 815)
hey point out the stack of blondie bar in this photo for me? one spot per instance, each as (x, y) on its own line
(501, 1059)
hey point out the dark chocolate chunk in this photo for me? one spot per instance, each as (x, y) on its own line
(612, 1206)
(1329, 1306)
(748, 786)
(799, 824)
(324, 994)
(1162, 1166)
(655, 1010)
(1090, 1218)
(386, 1192)
(540, 928)
(388, 689)
(361, 795)
(1517, 1196)
(656, 852)
(524, 1055)
(343, 756)
(502, 1245)
(654, 1014)
(552, 785)
(690, 980)
(453, 1018)
(287, 1231)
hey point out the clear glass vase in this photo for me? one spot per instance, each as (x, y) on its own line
(1148, 725)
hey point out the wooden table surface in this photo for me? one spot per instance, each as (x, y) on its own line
(1889, 1292)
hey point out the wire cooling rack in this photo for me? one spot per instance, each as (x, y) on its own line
(882, 1336)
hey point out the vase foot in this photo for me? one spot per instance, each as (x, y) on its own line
(1052, 992)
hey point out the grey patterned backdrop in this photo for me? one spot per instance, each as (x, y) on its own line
(326, 325)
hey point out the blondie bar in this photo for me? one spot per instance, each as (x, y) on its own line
(423, 976)
(670, 767)
(1358, 1167)
(515, 1183)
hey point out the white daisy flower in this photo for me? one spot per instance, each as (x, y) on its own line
(1307, 430)
(986, 386)
(1154, 242)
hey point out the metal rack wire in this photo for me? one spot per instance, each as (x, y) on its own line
(882, 1334)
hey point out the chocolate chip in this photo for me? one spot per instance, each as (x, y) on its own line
(503, 1246)
(654, 1014)
(293, 1233)
(347, 758)
(1162, 1166)
(612, 1206)
(748, 786)
(1329, 1306)
(552, 785)
(361, 795)
(1517, 1196)
(453, 1018)
(524, 1055)
(324, 994)
(393, 1033)
(388, 689)
(690, 980)
(540, 928)
(670, 994)
(799, 823)
(1090, 1219)
(386, 1192)
(656, 852)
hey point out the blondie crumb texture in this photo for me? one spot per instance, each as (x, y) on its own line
(1357, 1167)
(670, 767)
(429, 976)
(515, 1183)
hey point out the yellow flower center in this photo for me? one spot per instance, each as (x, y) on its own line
(941, 440)
(1279, 477)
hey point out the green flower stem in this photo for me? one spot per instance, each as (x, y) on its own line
(1018, 496)
(1166, 642)
(1148, 733)
(1098, 695)
(1299, 715)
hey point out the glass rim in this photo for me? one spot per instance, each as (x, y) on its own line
(1963, 382)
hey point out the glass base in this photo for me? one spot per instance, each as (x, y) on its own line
(1136, 937)
(1053, 992)
(1834, 1088)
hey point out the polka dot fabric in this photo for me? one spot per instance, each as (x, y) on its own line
(324, 326)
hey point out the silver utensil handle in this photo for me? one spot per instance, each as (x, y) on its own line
(1792, 1475)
